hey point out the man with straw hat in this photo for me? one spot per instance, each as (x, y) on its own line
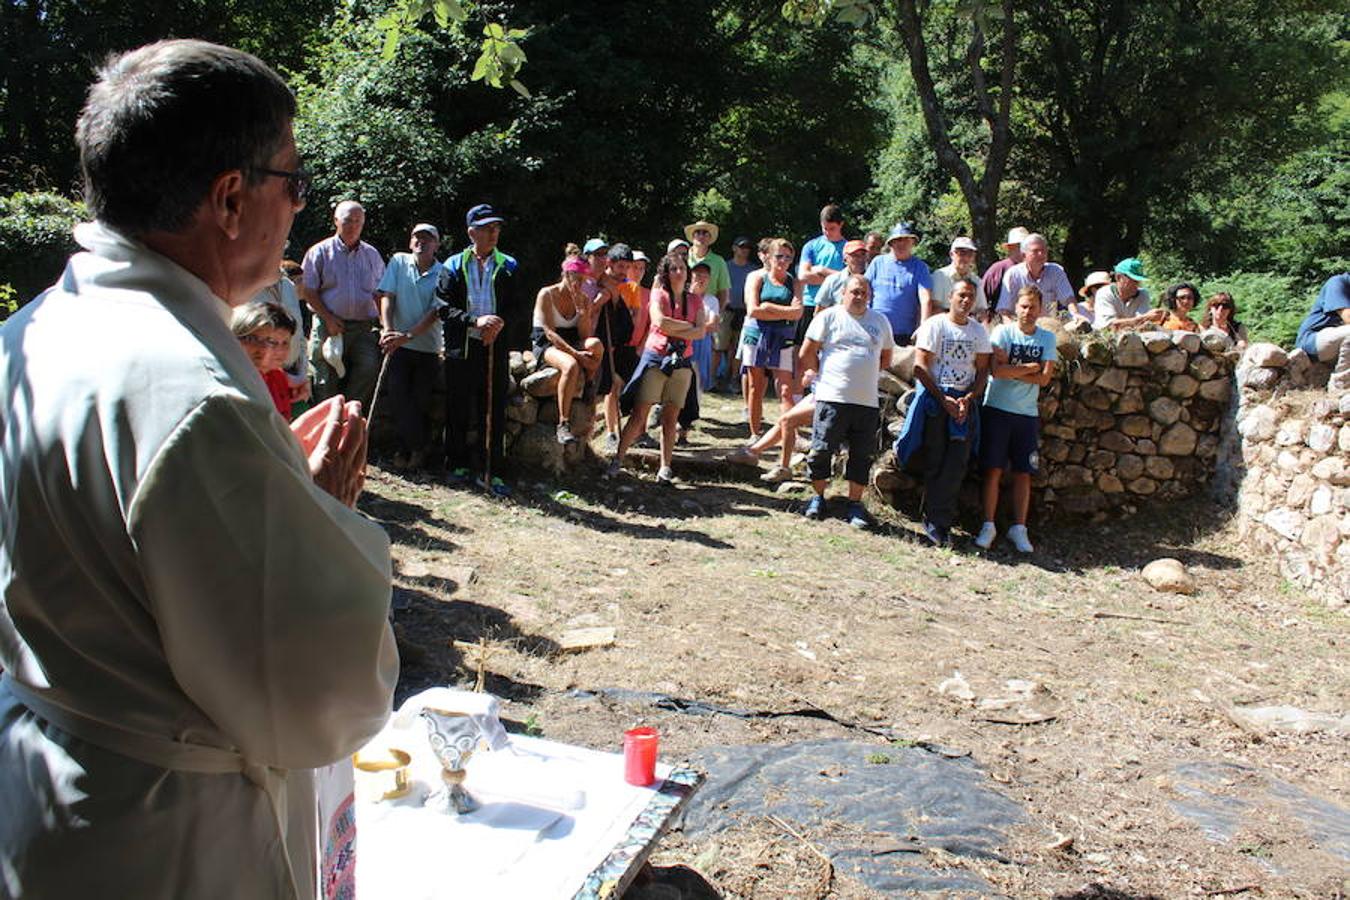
(703, 234)
(993, 276)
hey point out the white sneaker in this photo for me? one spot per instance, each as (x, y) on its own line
(776, 475)
(665, 476)
(988, 532)
(1018, 535)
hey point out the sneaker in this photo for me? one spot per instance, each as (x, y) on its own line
(742, 456)
(612, 443)
(1018, 535)
(815, 509)
(665, 475)
(938, 537)
(614, 468)
(499, 488)
(565, 435)
(646, 442)
(776, 475)
(858, 516)
(985, 539)
(457, 476)
(682, 438)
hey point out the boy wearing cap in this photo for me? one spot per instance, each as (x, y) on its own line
(481, 300)
(1123, 303)
(1010, 422)
(411, 338)
(961, 268)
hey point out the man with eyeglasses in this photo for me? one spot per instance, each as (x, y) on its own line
(341, 279)
(193, 619)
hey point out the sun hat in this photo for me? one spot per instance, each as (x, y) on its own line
(902, 230)
(1131, 267)
(1100, 278)
(332, 354)
(423, 226)
(482, 214)
(1016, 236)
(676, 244)
(576, 264)
(963, 243)
(594, 245)
(702, 224)
(854, 246)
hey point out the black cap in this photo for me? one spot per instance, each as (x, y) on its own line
(743, 241)
(621, 252)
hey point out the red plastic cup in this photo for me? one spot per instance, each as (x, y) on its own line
(639, 756)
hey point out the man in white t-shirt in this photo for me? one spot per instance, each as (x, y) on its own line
(962, 267)
(952, 363)
(848, 345)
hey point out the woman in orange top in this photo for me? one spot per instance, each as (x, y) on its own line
(1180, 299)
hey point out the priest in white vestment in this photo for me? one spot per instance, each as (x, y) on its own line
(192, 615)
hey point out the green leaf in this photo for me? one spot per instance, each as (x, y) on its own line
(511, 55)
(520, 89)
(480, 68)
(391, 39)
(494, 30)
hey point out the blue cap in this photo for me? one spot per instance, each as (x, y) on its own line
(902, 230)
(482, 214)
(593, 245)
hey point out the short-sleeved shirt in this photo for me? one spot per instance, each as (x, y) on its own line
(1107, 305)
(955, 348)
(657, 342)
(832, 289)
(738, 274)
(820, 251)
(895, 290)
(1011, 395)
(1325, 312)
(944, 279)
(993, 280)
(1056, 292)
(850, 354)
(344, 278)
(414, 296)
(719, 279)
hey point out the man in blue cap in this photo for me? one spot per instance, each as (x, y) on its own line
(902, 285)
(477, 288)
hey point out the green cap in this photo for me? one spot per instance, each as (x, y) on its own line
(1131, 267)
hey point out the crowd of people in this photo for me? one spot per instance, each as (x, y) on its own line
(754, 324)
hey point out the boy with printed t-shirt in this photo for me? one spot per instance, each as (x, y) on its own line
(1024, 362)
(951, 363)
(848, 345)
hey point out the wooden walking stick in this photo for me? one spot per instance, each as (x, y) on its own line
(487, 419)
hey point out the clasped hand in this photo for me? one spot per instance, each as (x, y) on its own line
(334, 438)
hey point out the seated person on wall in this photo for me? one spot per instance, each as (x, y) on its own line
(1124, 304)
(1325, 332)
(1010, 423)
(1220, 312)
(562, 339)
(951, 364)
(849, 345)
(1179, 300)
(265, 332)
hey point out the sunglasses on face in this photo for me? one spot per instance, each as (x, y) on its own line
(787, 257)
(297, 182)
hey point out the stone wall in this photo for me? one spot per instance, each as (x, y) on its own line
(532, 419)
(1130, 419)
(1290, 458)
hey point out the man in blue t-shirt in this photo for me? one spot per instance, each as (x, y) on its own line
(822, 256)
(901, 284)
(1325, 332)
(1024, 362)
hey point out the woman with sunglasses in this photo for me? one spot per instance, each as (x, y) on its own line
(773, 304)
(1219, 316)
(1180, 299)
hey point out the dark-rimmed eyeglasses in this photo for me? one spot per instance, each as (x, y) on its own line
(297, 182)
(269, 343)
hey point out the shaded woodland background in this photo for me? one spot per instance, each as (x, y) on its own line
(1211, 138)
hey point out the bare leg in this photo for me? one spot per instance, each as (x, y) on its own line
(612, 421)
(1021, 496)
(569, 379)
(991, 480)
(785, 382)
(670, 419)
(632, 428)
(755, 400)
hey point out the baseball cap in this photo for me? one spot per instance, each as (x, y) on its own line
(676, 244)
(482, 214)
(902, 230)
(423, 226)
(594, 245)
(963, 243)
(743, 241)
(855, 246)
(620, 253)
(639, 256)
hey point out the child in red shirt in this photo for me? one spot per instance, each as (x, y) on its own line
(266, 332)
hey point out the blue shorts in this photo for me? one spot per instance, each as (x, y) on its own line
(1009, 438)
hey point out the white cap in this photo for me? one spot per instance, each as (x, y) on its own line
(678, 242)
(1016, 236)
(639, 256)
(963, 243)
(423, 226)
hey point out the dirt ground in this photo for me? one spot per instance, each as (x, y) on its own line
(720, 591)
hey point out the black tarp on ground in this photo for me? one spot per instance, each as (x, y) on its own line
(918, 799)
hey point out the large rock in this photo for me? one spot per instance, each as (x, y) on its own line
(1098, 352)
(902, 363)
(1179, 440)
(523, 409)
(1145, 447)
(1321, 438)
(1171, 360)
(1256, 378)
(1186, 340)
(1259, 423)
(1203, 367)
(1265, 356)
(1159, 467)
(1129, 467)
(1215, 341)
(1156, 342)
(1066, 344)
(518, 367)
(542, 383)
(1113, 380)
(1109, 484)
(1130, 351)
(1284, 522)
(890, 384)
(1164, 410)
(1216, 389)
(1132, 401)
(1070, 476)
(1136, 426)
(1113, 441)
(1183, 387)
(537, 447)
(1290, 433)
(1170, 576)
(1098, 460)
(1299, 366)
(1143, 486)
(1094, 397)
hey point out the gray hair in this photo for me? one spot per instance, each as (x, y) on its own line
(1035, 238)
(257, 315)
(164, 120)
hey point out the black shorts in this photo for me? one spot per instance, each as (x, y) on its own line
(837, 424)
(808, 313)
(1009, 440)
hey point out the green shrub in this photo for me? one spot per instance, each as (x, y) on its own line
(9, 301)
(35, 239)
